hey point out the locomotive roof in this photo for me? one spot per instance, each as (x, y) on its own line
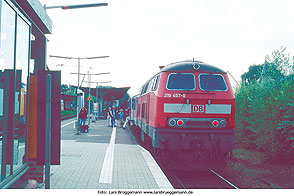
(191, 66)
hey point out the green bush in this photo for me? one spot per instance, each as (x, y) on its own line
(265, 109)
(265, 118)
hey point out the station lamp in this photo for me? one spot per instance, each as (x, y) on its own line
(66, 7)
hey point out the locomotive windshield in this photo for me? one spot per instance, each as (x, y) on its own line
(181, 81)
(212, 82)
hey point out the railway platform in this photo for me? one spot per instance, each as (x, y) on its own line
(104, 158)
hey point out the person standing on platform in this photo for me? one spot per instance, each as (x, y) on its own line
(109, 117)
(120, 118)
(113, 116)
(127, 117)
(83, 116)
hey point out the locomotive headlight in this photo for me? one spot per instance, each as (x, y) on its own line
(215, 123)
(172, 122)
(180, 122)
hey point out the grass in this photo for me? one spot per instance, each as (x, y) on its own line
(249, 156)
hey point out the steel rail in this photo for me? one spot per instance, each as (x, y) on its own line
(180, 182)
(224, 179)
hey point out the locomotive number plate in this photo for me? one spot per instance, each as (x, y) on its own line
(198, 108)
(176, 95)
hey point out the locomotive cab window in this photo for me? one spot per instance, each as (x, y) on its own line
(212, 82)
(181, 81)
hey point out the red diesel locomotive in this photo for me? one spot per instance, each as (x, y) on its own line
(187, 112)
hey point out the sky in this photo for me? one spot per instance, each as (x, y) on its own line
(141, 35)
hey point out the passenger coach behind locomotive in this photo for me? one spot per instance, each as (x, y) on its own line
(187, 112)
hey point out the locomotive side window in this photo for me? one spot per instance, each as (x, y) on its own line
(138, 111)
(181, 81)
(143, 110)
(142, 90)
(145, 88)
(155, 83)
(212, 82)
(149, 86)
(133, 103)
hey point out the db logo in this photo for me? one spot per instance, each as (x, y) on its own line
(198, 108)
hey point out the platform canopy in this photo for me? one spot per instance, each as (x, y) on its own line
(108, 93)
(36, 12)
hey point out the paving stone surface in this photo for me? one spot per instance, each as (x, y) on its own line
(82, 158)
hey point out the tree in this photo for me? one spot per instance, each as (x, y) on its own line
(64, 88)
(278, 66)
(71, 90)
(264, 110)
(253, 74)
(281, 61)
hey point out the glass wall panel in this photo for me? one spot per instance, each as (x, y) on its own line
(7, 37)
(22, 63)
(7, 50)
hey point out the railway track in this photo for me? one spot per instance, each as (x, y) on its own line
(187, 179)
(200, 180)
(192, 180)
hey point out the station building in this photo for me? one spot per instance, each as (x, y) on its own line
(30, 96)
(24, 24)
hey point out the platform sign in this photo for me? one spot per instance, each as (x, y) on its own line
(95, 107)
